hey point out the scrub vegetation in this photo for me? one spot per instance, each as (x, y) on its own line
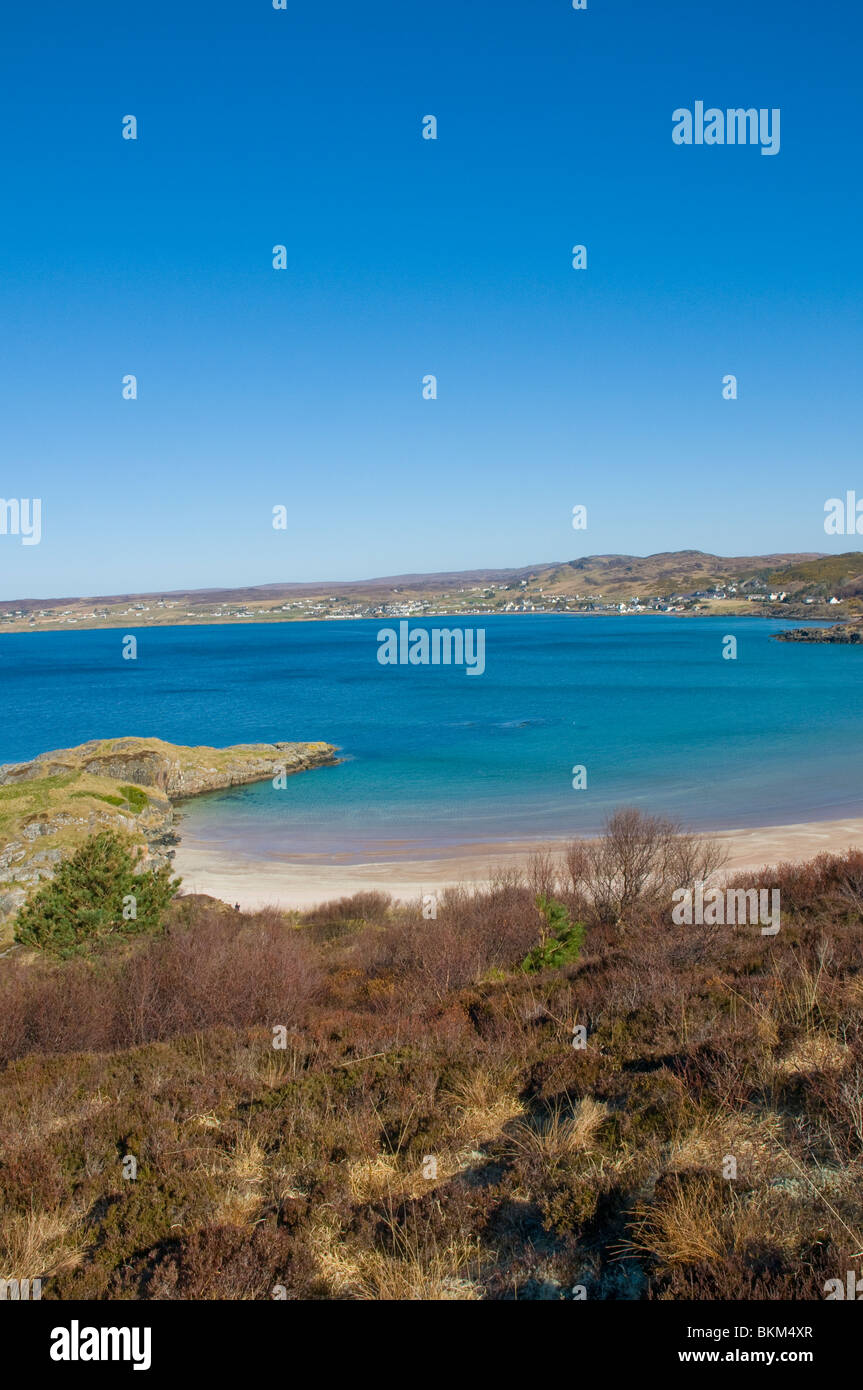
(358, 1103)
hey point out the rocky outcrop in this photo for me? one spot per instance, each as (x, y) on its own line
(175, 770)
(49, 805)
(847, 633)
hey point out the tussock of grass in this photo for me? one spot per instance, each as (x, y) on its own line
(564, 1130)
(39, 1245)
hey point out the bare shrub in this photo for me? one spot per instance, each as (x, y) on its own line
(638, 860)
(850, 881)
(362, 907)
(820, 885)
(543, 872)
(476, 930)
(215, 971)
(54, 1008)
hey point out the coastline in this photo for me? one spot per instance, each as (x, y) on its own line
(729, 610)
(306, 882)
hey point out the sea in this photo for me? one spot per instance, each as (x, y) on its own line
(572, 717)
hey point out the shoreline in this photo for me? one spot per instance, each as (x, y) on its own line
(306, 882)
(732, 612)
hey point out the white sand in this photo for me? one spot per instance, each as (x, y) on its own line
(293, 883)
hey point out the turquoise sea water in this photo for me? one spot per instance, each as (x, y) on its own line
(434, 757)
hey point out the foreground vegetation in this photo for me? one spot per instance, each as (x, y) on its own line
(359, 1103)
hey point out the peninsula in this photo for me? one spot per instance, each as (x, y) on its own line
(50, 805)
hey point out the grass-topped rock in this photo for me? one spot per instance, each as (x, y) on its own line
(54, 803)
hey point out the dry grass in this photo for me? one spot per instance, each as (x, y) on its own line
(373, 1178)
(240, 1174)
(715, 1135)
(419, 1267)
(562, 1131)
(816, 1051)
(485, 1102)
(39, 1245)
(682, 1229)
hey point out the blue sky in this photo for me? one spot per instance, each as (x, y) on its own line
(406, 257)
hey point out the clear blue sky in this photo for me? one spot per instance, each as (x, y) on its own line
(408, 257)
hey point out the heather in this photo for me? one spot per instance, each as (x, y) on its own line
(429, 1126)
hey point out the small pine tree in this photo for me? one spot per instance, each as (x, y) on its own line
(90, 898)
(560, 940)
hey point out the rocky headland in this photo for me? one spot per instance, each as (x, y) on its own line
(49, 805)
(848, 633)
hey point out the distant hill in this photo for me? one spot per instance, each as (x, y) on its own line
(667, 567)
(842, 573)
(683, 579)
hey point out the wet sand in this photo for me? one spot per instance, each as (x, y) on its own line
(304, 882)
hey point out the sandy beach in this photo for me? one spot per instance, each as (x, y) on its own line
(302, 883)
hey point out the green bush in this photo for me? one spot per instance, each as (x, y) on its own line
(132, 797)
(92, 896)
(560, 941)
(100, 796)
(136, 798)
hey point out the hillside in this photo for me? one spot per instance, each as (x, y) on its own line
(683, 581)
